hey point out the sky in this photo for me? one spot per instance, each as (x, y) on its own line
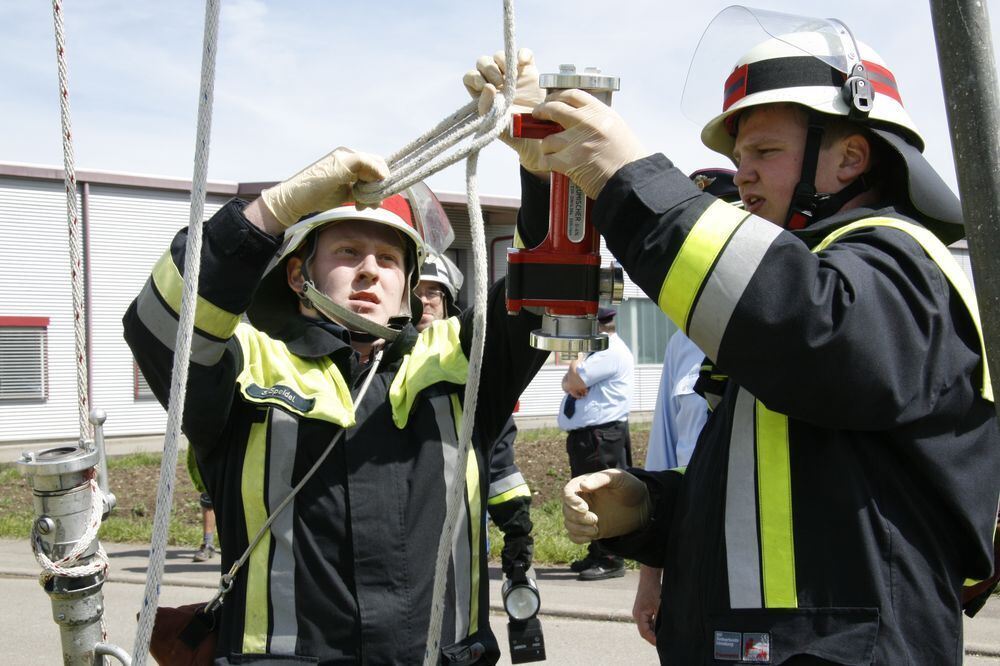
(297, 78)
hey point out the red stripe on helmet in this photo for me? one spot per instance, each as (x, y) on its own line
(398, 205)
(736, 86)
(882, 80)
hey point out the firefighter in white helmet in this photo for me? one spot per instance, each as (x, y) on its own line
(846, 485)
(509, 497)
(344, 573)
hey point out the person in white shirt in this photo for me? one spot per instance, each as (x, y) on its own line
(594, 413)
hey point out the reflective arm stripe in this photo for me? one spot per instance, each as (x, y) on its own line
(162, 323)
(693, 263)
(941, 256)
(208, 317)
(725, 285)
(774, 483)
(707, 278)
(506, 483)
(518, 491)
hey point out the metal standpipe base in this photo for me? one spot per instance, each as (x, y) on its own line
(63, 498)
(569, 334)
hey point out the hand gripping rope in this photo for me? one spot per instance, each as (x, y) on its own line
(414, 162)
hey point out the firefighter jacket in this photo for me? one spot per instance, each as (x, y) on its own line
(509, 502)
(847, 483)
(345, 574)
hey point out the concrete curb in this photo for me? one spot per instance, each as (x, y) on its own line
(551, 610)
(495, 606)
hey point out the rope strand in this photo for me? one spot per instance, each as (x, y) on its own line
(73, 223)
(182, 346)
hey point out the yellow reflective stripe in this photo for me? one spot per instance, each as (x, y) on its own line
(693, 263)
(272, 374)
(941, 256)
(520, 490)
(774, 483)
(255, 512)
(436, 356)
(517, 242)
(474, 493)
(208, 317)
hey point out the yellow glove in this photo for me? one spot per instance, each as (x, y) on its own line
(595, 143)
(325, 184)
(605, 504)
(486, 80)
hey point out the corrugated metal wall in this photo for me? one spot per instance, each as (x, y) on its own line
(130, 228)
(35, 281)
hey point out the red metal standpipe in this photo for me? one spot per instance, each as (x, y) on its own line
(563, 275)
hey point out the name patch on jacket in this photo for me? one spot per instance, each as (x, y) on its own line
(282, 393)
(746, 648)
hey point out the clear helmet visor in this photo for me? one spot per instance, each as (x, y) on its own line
(737, 30)
(429, 217)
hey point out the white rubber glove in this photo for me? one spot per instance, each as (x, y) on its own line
(596, 142)
(605, 504)
(325, 184)
(486, 80)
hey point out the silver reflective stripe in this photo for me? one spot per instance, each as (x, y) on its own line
(501, 486)
(161, 322)
(742, 546)
(460, 555)
(281, 460)
(727, 282)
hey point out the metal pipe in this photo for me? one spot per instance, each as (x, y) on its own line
(969, 79)
(109, 650)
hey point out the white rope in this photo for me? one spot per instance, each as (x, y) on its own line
(67, 565)
(182, 346)
(73, 222)
(426, 155)
(486, 133)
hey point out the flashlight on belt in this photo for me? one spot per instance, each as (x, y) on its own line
(563, 275)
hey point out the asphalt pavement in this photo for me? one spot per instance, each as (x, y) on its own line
(583, 622)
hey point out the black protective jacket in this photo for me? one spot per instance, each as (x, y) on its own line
(847, 483)
(509, 502)
(344, 575)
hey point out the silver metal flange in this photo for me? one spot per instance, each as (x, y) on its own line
(568, 333)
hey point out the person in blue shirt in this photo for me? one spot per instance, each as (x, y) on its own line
(594, 412)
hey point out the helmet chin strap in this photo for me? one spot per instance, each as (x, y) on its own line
(358, 325)
(807, 204)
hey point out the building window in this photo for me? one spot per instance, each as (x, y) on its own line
(644, 328)
(24, 367)
(141, 390)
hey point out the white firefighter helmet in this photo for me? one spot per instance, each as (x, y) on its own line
(274, 304)
(819, 65)
(437, 267)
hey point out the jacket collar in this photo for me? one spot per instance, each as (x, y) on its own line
(817, 231)
(314, 338)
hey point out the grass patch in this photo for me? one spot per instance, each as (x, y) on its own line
(136, 460)
(9, 474)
